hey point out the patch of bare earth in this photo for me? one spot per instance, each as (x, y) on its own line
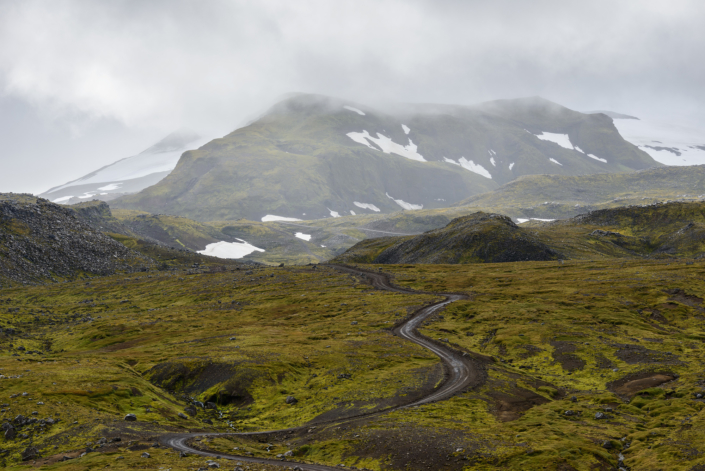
(631, 384)
(563, 354)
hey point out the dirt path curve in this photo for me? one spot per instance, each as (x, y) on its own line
(461, 370)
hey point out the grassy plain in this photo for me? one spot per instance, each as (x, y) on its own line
(606, 332)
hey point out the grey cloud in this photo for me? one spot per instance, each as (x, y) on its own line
(153, 66)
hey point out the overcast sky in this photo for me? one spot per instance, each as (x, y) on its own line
(84, 83)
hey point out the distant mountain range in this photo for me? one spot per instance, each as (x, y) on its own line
(311, 157)
(128, 175)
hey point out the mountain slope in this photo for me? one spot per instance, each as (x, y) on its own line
(558, 196)
(128, 175)
(311, 157)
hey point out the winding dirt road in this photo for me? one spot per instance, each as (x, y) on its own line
(461, 372)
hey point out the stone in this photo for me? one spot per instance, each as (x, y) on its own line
(291, 400)
(145, 455)
(573, 399)
(289, 453)
(600, 415)
(130, 417)
(607, 445)
(182, 415)
(210, 405)
(569, 412)
(183, 454)
(353, 323)
(29, 453)
(10, 433)
(191, 411)
(207, 421)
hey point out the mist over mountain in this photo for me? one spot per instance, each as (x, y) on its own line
(128, 175)
(312, 156)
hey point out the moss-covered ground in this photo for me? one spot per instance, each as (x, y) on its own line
(621, 338)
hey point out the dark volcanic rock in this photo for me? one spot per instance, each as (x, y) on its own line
(130, 417)
(40, 240)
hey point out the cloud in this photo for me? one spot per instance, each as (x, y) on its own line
(210, 65)
(166, 63)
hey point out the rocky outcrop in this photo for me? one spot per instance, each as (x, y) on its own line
(42, 241)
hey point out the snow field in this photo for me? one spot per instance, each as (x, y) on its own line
(405, 128)
(224, 249)
(555, 161)
(303, 236)
(272, 217)
(686, 140)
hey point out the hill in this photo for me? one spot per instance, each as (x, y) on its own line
(311, 157)
(561, 196)
(41, 241)
(478, 238)
(674, 229)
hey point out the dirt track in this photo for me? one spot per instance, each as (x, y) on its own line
(462, 371)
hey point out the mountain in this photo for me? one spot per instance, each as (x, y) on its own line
(128, 175)
(660, 230)
(311, 157)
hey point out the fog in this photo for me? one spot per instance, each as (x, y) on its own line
(83, 83)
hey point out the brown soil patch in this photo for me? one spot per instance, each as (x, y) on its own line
(562, 353)
(635, 382)
(682, 297)
(603, 362)
(634, 354)
(510, 406)
(656, 316)
(530, 351)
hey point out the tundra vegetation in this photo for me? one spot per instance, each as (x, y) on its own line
(588, 363)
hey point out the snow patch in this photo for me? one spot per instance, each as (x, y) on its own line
(511, 166)
(561, 139)
(470, 165)
(350, 108)
(333, 213)
(63, 198)
(522, 221)
(555, 161)
(387, 145)
(404, 204)
(492, 162)
(353, 212)
(366, 206)
(405, 128)
(473, 167)
(303, 236)
(112, 186)
(229, 249)
(272, 217)
(596, 158)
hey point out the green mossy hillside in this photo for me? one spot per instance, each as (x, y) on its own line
(674, 229)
